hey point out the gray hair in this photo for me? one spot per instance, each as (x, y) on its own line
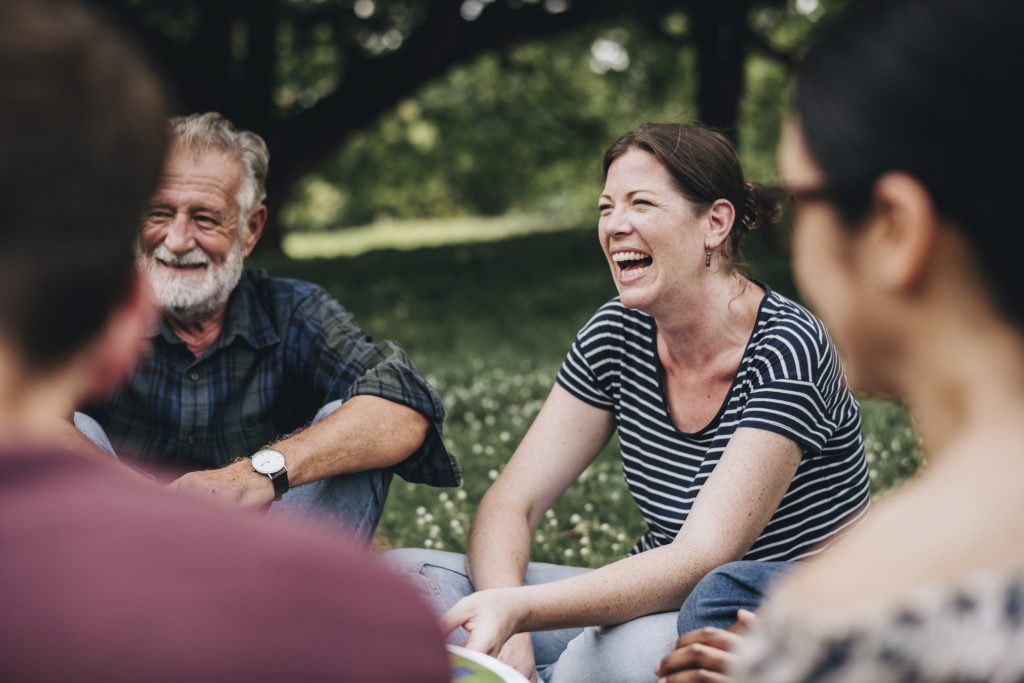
(211, 131)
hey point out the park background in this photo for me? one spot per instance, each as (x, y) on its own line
(435, 165)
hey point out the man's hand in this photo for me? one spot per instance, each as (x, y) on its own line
(235, 484)
(518, 653)
(704, 655)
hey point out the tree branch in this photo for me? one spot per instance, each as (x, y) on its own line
(761, 43)
(374, 84)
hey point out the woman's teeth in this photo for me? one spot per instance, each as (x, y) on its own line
(631, 260)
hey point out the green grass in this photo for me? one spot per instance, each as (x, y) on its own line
(488, 324)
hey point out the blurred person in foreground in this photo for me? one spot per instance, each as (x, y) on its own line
(905, 244)
(740, 440)
(259, 389)
(103, 577)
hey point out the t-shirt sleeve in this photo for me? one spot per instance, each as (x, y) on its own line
(588, 369)
(797, 383)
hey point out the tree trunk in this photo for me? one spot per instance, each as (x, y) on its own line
(721, 36)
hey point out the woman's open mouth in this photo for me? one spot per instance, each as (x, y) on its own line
(632, 264)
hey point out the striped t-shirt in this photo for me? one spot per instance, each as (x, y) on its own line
(790, 381)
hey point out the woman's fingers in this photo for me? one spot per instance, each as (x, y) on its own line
(717, 638)
(744, 620)
(695, 656)
(705, 649)
(457, 616)
(483, 642)
(480, 619)
(695, 676)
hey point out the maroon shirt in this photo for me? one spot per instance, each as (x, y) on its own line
(103, 578)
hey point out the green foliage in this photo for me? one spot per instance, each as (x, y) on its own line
(307, 65)
(523, 130)
(489, 324)
(761, 116)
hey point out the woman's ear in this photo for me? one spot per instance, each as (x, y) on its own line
(116, 349)
(903, 232)
(720, 218)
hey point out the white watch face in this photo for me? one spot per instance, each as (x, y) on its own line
(268, 461)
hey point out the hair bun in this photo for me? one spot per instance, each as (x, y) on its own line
(760, 205)
(751, 217)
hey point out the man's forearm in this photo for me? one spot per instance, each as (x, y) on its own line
(365, 433)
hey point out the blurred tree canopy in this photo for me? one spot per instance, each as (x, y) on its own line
(403, 108)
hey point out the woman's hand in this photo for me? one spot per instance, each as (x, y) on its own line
(490, 616)
(518, 653)
(704, 654)
(701, 655)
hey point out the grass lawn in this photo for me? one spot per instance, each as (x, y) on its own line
(488, 323)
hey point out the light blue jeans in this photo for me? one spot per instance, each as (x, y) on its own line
(349, 503)
(623, 653)
(717, 597)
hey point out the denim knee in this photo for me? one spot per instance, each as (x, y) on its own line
(348, 503)
(91, 429)
(417, 559)
(440, 576)
(326, 409)
(625, 652)
(725, 590)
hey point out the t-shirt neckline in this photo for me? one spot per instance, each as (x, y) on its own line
(659, 370)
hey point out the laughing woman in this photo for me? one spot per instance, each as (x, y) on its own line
(739, 437)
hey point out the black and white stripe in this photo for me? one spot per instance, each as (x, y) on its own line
(790, 381)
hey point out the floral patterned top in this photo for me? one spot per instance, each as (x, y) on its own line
(968, 632)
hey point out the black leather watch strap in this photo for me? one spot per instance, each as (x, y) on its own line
(280, 481)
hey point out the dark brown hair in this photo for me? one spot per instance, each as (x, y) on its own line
(704, 166)
(82, 137)
(930, 88)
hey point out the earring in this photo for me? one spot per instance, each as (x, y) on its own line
(707, 257)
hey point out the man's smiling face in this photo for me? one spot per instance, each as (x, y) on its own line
(190, 246)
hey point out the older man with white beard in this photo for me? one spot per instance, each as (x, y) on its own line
(260, 388)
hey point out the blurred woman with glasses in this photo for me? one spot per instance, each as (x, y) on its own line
(906, 154)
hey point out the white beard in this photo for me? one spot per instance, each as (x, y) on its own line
(191, 295)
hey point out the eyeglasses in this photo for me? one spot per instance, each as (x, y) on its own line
(799, 195)
(787, 200)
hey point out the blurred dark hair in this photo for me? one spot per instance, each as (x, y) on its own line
(82, 136)
(704, 166)
(931, 88)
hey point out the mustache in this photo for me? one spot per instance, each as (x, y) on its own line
(193, 257)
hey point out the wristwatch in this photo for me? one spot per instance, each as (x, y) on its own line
(271, 463)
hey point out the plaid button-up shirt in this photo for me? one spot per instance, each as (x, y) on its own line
(287, 348)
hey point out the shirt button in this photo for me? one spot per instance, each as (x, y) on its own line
(194, 376)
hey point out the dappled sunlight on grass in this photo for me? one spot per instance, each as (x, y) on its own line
(413, 234)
